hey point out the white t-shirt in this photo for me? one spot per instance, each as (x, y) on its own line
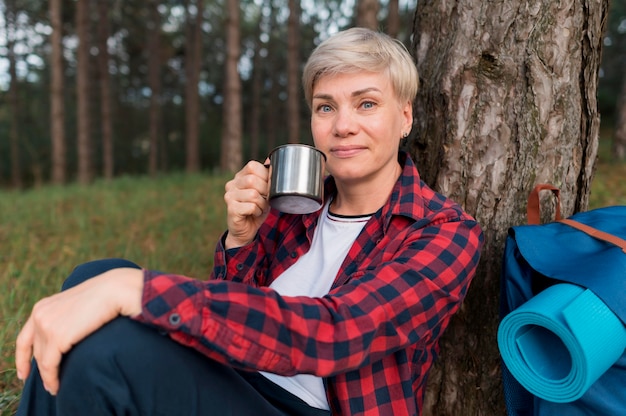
(313, 275)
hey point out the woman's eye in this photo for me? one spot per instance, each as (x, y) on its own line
(368, 105)
(324, 108)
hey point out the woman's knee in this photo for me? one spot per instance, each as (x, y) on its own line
(95, 372)
(93, 268)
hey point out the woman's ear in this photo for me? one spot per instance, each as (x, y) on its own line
(407, 113)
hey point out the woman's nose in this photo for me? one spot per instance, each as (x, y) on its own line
(345, 123)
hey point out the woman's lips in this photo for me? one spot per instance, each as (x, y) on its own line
(345, 152)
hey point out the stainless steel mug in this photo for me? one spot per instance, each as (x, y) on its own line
(297, 178)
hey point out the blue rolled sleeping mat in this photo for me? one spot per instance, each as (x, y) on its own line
(562, 335)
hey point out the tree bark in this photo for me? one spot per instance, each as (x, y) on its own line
(508, 100)
(83, 104)
(57, 86)
(231, 153)
(105, 90)
(293, 72)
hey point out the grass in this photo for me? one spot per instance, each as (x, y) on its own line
(170, 223)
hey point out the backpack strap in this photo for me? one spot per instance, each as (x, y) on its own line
(595, 233)
(533, 210)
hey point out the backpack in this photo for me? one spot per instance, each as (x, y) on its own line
(562, 331)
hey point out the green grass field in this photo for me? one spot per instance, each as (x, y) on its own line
(170, 223)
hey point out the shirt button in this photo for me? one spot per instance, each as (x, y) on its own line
(174, 319)
(239, 266)
(293, 254)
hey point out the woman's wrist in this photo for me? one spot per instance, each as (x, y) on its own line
(125, 286)
(232, 242)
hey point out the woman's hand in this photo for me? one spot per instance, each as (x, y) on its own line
(60, 321)
(247, 205)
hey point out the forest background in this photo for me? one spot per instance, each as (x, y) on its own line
(106, 88)
(103, 88)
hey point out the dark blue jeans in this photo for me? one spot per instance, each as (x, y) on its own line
(127, 368)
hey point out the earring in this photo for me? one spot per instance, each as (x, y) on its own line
(405, 135)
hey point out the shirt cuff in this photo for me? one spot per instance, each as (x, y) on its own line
(172, 303)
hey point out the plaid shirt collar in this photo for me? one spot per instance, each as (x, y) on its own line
(405, 199)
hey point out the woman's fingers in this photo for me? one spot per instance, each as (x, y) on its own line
(39, 339)
(254, 176)
(246, 200)
(24, 350)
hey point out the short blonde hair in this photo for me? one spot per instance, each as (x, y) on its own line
(359, 49)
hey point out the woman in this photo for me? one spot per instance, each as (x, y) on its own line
(335, 312)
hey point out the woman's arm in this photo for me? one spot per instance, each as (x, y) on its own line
(394, 299)
(60, 321)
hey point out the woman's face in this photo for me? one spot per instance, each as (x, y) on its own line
(358, 122)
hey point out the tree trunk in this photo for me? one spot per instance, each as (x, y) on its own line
(508, 100)
(393, 18)
(192, 98)
(257, 90)
(293, 73)
(231, 152)
(273, 64)
(84, 142)
(105, 90)
(14, 107)
(619, 137)
(273, 117)
(367, 14)
(57, 86)
(154, 79)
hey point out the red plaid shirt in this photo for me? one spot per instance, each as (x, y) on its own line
(373, 338)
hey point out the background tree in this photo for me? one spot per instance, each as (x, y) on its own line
(619, 137)
(192, 71)
(154, 79)
(293, 72)
(614, 91)
(14, 102)
(83, 96)
(231, 152)
(393, 18)
(498, 112)
(105, 90)
(275, 47)
(257, 89)
(57, 87)
(367, 13)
